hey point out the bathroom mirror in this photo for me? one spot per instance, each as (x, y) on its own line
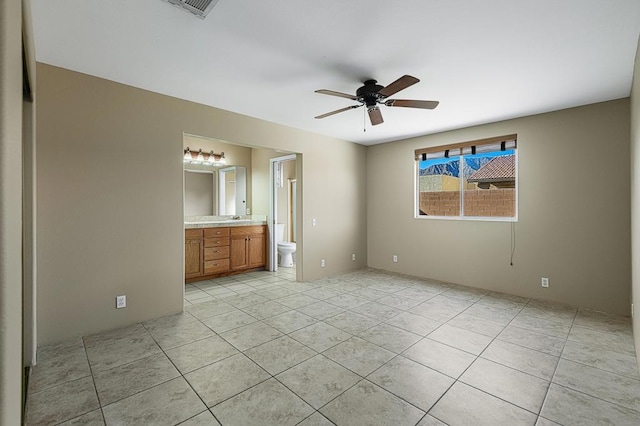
(232, 191)
(221, 192)
(200, 193)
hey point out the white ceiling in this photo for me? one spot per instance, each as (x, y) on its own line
(483, 60)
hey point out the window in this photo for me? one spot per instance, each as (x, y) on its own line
(470, 180)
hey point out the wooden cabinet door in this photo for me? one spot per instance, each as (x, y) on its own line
(193, 262)
(257, 252)
(238, 253)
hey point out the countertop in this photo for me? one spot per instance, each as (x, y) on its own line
(222, 222)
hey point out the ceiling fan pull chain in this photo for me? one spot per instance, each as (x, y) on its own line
(364, 120)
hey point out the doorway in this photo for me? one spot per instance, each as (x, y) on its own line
(282, 174)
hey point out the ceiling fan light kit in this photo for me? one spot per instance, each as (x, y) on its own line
(372, 94)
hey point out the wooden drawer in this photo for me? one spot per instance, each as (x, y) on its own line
(248, 230)
(213, 253)
(216, 232)
(192, 234)
(216, 242)
(215, 266)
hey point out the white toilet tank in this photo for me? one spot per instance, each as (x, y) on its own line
(279, 232)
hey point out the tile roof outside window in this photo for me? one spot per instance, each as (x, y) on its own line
(498, 169)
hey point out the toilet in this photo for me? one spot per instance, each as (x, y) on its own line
(285, 249)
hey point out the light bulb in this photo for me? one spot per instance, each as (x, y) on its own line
(200, 157)
(187, 155)
(211, 160)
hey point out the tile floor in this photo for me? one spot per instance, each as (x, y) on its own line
(365, 348)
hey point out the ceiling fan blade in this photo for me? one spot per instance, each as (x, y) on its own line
(398, 85)
(339, 111)
(407, 103)
(375, 116)
(334, 93)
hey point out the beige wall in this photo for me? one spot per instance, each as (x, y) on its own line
(635, 198)
(10, 212)
(260, 179)
(111, 224)
(574, 219)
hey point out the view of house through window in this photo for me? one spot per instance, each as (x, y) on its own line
(471, 179)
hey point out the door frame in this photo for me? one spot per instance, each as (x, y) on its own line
(291, 209)
(275, 165)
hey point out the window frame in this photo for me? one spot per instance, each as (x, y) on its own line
(460, 146)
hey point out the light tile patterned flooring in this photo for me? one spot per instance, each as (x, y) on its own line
(365, 348)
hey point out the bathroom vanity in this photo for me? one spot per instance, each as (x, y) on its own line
(218, 248)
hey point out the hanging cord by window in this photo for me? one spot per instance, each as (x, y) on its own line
(513, 241)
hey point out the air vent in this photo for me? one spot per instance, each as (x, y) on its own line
(200, 8)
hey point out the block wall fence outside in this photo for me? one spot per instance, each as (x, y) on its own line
(480, 202)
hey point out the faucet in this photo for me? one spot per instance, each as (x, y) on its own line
(236, 218)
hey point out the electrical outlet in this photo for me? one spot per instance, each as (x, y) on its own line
(545, 282)
(395, 258)
(353, 256)
(322, 263)
(121, 302)
(313, 222)
(248, 211)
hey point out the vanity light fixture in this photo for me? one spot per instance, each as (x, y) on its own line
(210, 159)
(187, 155)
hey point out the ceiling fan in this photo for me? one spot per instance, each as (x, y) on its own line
(372, 94)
